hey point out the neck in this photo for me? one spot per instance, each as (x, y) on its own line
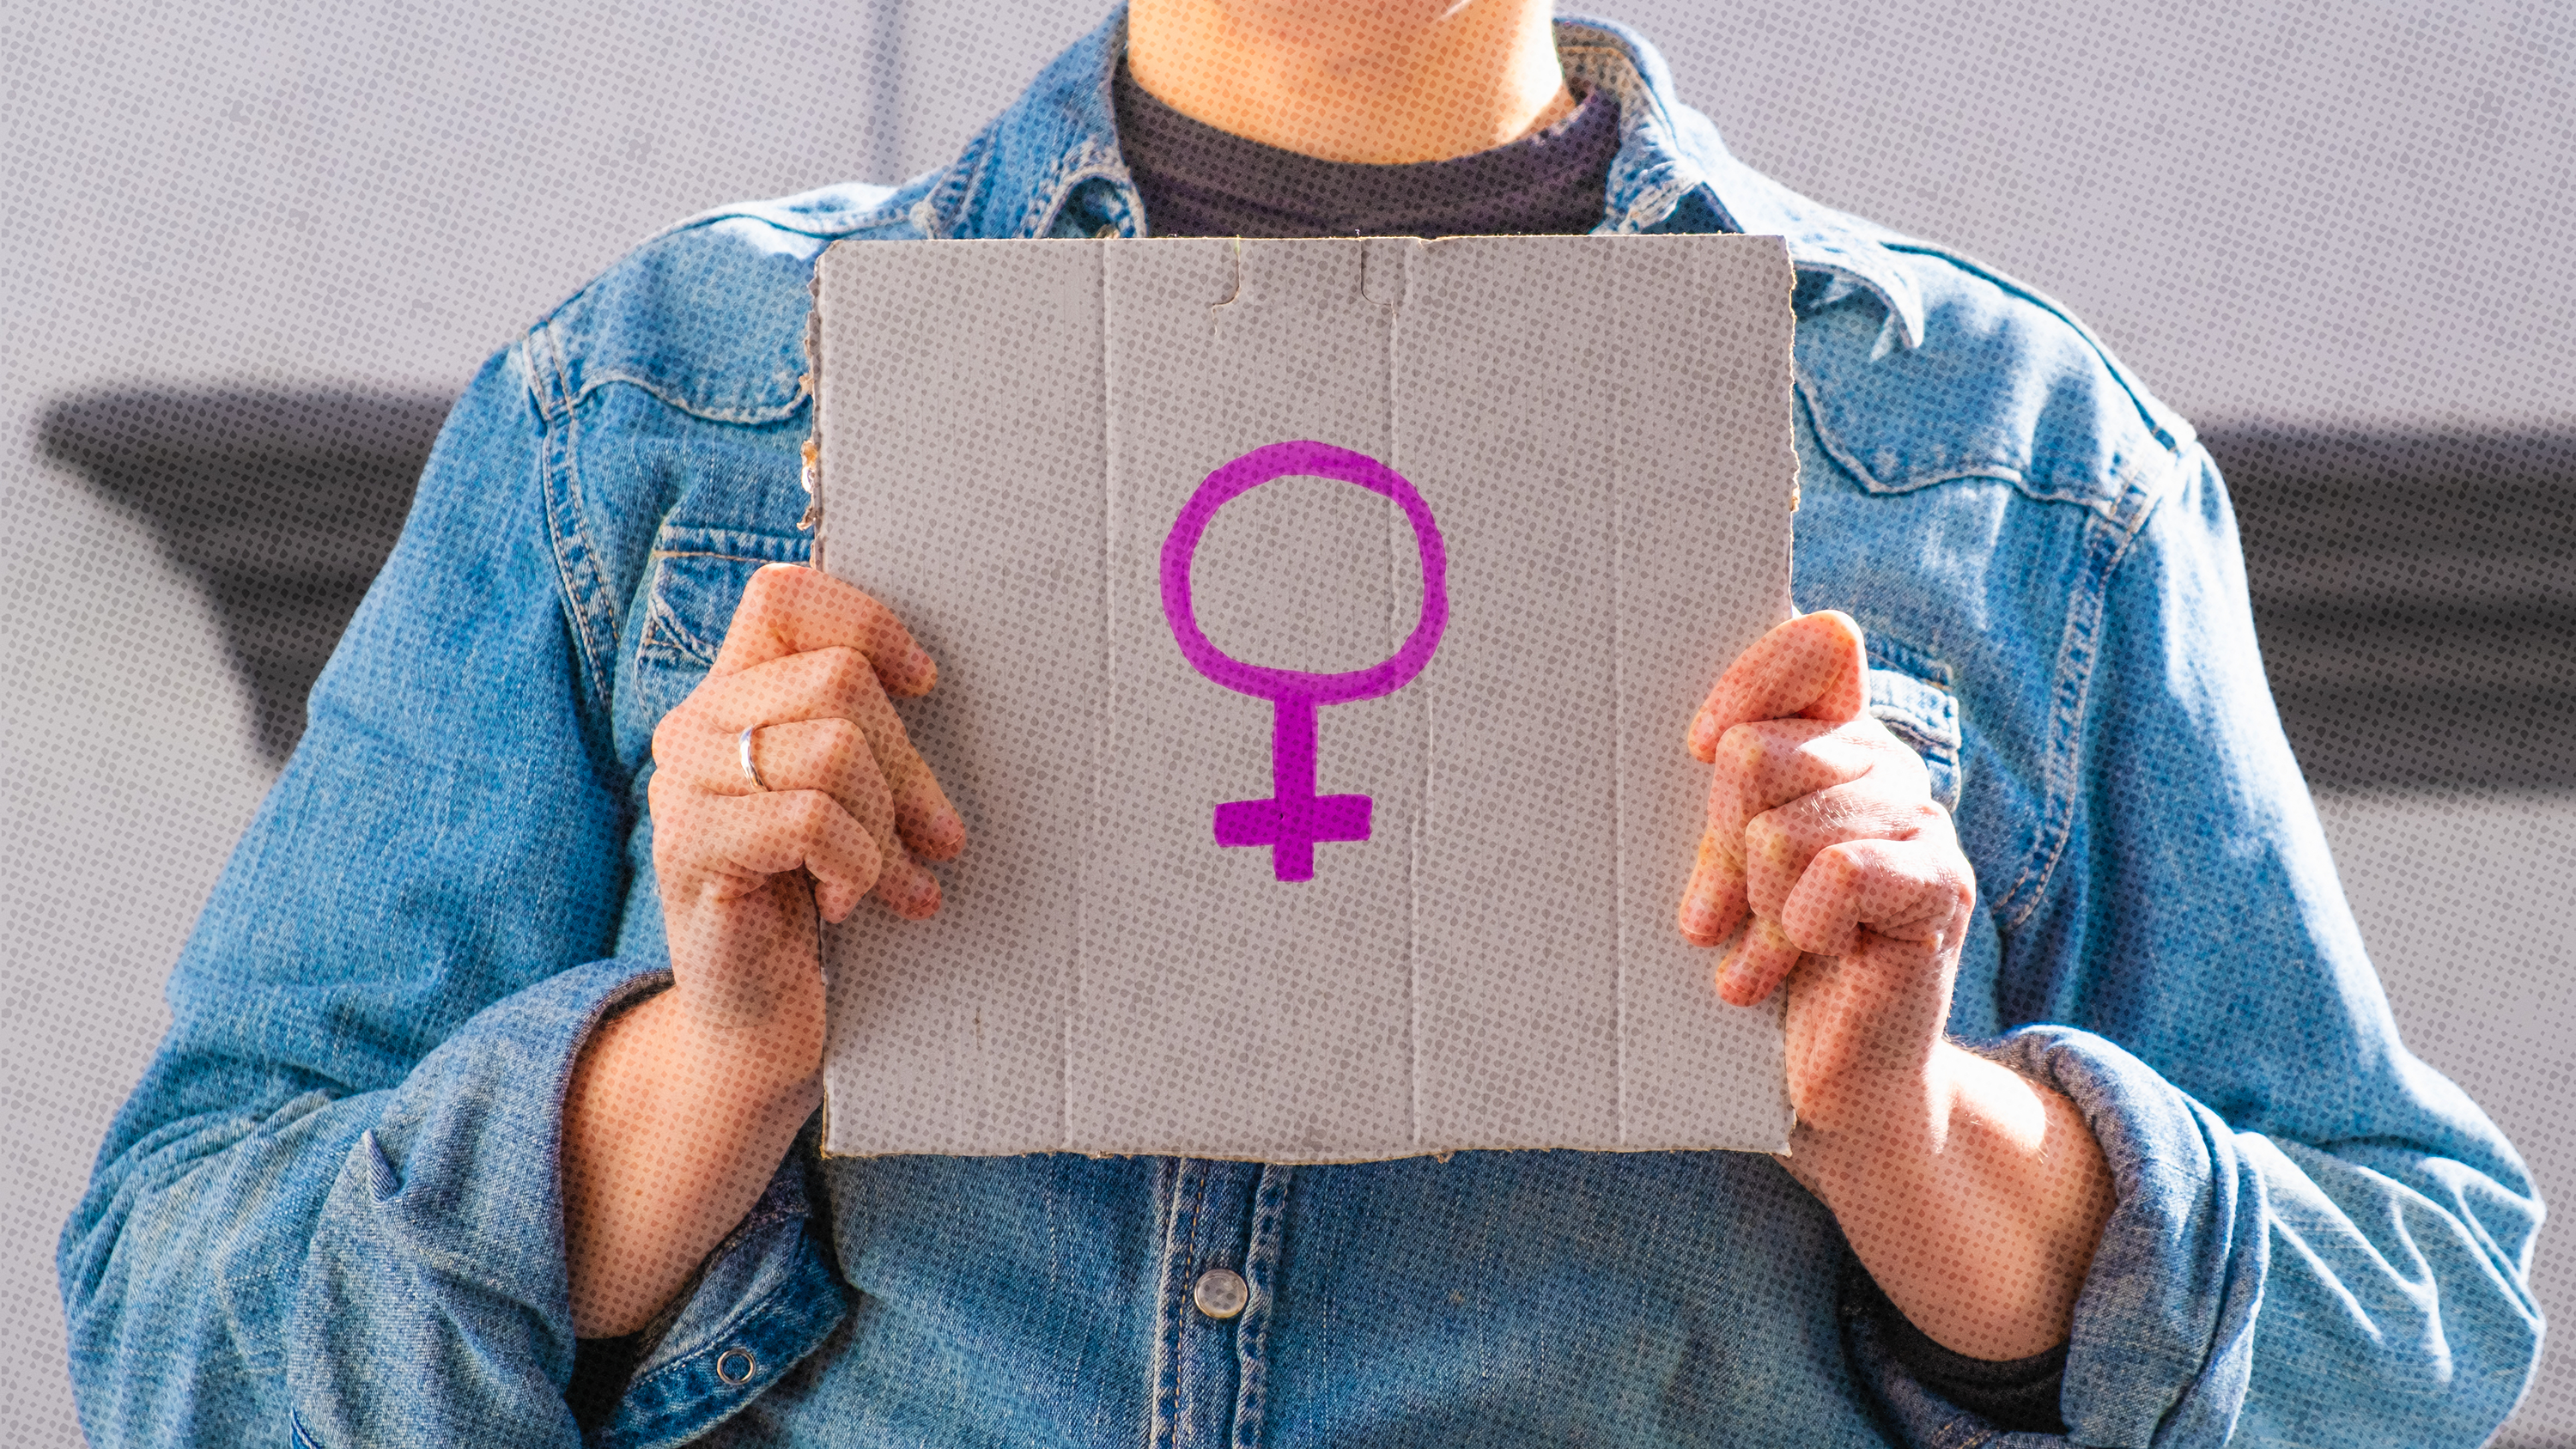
(1376, 81)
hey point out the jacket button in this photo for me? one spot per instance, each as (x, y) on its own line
(1221, 1293)
(736, 1366)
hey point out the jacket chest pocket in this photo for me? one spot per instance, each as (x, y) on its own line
(1910, 693)
(697, 582)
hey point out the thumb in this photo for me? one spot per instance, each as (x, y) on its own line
(1811, 667)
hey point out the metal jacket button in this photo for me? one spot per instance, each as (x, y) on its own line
(1221, 1293)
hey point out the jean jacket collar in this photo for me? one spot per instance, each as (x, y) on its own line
(1050, 166)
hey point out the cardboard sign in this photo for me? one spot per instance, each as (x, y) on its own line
(1318, 624)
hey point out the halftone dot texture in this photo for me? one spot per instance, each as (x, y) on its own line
(2337, 237)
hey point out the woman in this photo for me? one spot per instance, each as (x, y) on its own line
(431, 1156)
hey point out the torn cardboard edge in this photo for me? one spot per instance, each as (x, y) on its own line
(1107, 1017)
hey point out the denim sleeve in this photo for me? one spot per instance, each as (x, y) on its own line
(2319, 1239)
(329, 1210)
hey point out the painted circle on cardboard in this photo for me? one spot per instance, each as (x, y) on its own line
(1311, 460)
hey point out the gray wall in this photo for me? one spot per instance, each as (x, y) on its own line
(2299, 213)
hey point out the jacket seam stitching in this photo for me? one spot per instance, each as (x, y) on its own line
(727, 1331)
(2111, 510)
(568, 544)
(710, 553)
(1057, 193)
(1161, 1423)
(2108, 540)
(2073, 680)
(772, 413)
(888, 215)
(1261, 1267)
(666, 633)
(885, 215)
(845, 223)
(947, 194)
(2171, 438)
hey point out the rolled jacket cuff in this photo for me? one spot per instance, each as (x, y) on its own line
(2162, 1349)
(768, 1296)
(434, 1305)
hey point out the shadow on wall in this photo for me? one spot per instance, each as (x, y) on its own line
(281, 505)
(2415, 592)
(2416, 598)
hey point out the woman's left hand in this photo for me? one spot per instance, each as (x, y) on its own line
(1824, 843)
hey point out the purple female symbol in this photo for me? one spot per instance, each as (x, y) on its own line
(1295, 818)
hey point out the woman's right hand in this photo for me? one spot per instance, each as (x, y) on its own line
(681, 1106)
(807, 664)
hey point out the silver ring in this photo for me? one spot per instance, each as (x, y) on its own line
(750, 771)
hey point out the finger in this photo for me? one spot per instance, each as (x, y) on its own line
(735, 845)
(834, 755)
(1779, 843)
(1757, 965)
(1713, 903)
(907, 889)
(789, 609)
(1760, 767)
(831, 755)
(839, 683)
(1766, 764)
(1856, 898)
(1910, 891)
(1812, 667)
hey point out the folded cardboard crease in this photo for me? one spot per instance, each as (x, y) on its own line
(1566, 461)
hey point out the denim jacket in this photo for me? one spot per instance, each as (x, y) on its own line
(330, 1214)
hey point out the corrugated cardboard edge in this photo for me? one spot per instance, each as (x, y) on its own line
(1789, 609)
(812, 383)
